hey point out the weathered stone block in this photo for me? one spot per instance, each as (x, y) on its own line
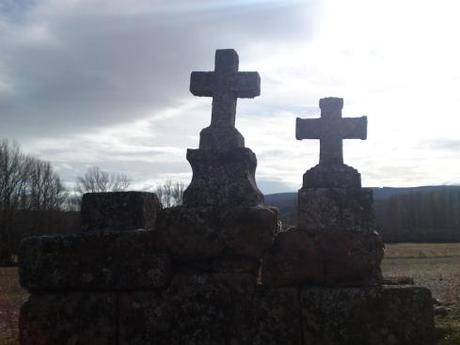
(190, 233)
(70, 318)
(328, 258)
(222, 179)
(293, 259)
(211, 309)
(351, 258)
(93, 260)
(207, 233)
(271, 319)
(397, 315)
(119, 211)
(343, 209)
(248, 232)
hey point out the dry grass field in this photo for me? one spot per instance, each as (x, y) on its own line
(436, 266)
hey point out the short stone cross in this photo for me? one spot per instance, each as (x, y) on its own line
(225, 85)
(223, 168)
(331, 129)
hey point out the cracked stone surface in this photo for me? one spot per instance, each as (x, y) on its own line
(69, 318)
(211, 310)
(399, 315)
(93, 260)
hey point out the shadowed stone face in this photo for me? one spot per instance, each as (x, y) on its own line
(331, 129)
(225, 85)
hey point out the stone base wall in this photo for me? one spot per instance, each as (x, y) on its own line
(213, 275)
(216, 309)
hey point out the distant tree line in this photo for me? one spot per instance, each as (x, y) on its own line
(425, 214)
(31, 198)
(421, 216)
(34, 201)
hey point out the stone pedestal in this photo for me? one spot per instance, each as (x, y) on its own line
(222, 179)
(216, 240)
(336, 222)
(331, 209)
(117, 211)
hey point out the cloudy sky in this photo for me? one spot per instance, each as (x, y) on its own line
(105, 82)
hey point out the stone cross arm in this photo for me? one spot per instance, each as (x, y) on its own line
(354, 128)
(348, 128)
(240, 85)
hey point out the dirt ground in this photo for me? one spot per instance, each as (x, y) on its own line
(11, 298)
(436, 266)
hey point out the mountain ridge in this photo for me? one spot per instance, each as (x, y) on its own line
(412, 214)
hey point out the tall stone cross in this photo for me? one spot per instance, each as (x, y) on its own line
(225, 84)
(331, 129)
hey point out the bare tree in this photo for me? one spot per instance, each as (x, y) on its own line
(29, 191)
(170, 193)
(46, 191)
(96, 180)
(72, 202)
(14, 170)
(12, 179)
